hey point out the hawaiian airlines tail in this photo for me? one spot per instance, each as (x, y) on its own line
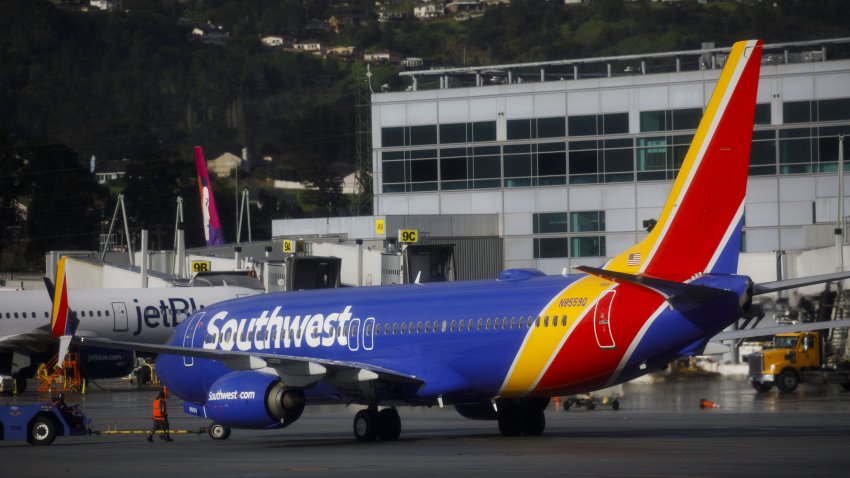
(699, 230)
(212, 225)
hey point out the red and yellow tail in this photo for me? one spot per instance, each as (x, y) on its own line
(699, 230)
(60, 323)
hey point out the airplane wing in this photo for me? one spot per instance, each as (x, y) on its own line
(779, 329)
(768, 287)
(294, 370)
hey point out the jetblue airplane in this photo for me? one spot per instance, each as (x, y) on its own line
(145, 315)
(494, 349)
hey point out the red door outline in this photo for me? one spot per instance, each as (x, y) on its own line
(602, 320)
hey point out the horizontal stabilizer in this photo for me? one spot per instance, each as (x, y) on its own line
(678, 294)
(768, 287)
(780, 329)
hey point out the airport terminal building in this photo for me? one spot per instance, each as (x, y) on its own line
(566, 160)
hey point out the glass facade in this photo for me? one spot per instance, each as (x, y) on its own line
(593, 149)
(575, 244)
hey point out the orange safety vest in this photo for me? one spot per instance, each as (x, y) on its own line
(158, 408)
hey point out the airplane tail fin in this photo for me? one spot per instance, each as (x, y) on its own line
(212, 225)
(699, 229)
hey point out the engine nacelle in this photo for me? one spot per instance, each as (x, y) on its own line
(253, 400)
(98, 362)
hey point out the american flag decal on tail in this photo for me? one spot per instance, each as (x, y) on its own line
(634, 259)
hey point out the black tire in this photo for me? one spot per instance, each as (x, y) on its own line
(366, 425)
(389, 425)
(762, 387)
(510, 420)
(590, 405)
(566, 405)
(615, 405)
(846, 386)
(42, 432)
(533, 420)
(217, 431)
(787, 381)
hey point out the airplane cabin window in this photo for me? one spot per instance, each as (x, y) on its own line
(16, 315)
(98, 313)
(487, 325)
(546, 321)
(403, 328)
(452, 326)
(106, 312)
(564, 320)
(46, 315)
(410, 326)
(418, 327)
(395, 328)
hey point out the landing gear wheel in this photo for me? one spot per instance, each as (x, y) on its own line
(533, 420)
(762, 387)
(42, 432)
(510, 420)
(566, 405)
(590, 405)
(217, 431)
(615, 405)
(389, 425)
(366, 425)
(787, 381)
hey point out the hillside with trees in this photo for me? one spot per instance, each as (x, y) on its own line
(134, 83)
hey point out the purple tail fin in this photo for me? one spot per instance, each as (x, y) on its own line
(212, 225)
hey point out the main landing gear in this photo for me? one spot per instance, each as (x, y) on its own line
(371, 424)
(522, 417)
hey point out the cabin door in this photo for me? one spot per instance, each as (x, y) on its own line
(189, 337)
(602, 320)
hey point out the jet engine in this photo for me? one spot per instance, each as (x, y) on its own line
(97, 362)
(253, 400)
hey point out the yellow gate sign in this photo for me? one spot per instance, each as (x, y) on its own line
(288, 247)
(379, 227)
(408, 236)
(201, 266)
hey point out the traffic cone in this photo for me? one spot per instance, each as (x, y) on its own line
(703, 403)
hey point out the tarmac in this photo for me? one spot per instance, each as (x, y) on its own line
(659, 430)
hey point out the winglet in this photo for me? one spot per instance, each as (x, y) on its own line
(60, 324)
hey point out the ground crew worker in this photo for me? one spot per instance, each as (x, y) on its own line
(160, 418)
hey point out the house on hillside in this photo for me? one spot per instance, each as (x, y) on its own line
(224, 165)
(429, 9)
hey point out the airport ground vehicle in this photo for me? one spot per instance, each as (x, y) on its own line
(795, 357)
(40, 423)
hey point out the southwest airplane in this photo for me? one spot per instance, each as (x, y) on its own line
(495, 349)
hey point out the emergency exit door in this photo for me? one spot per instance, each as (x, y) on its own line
(602, 320)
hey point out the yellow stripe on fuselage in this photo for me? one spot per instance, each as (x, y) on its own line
(645, 247)
(543, 342)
